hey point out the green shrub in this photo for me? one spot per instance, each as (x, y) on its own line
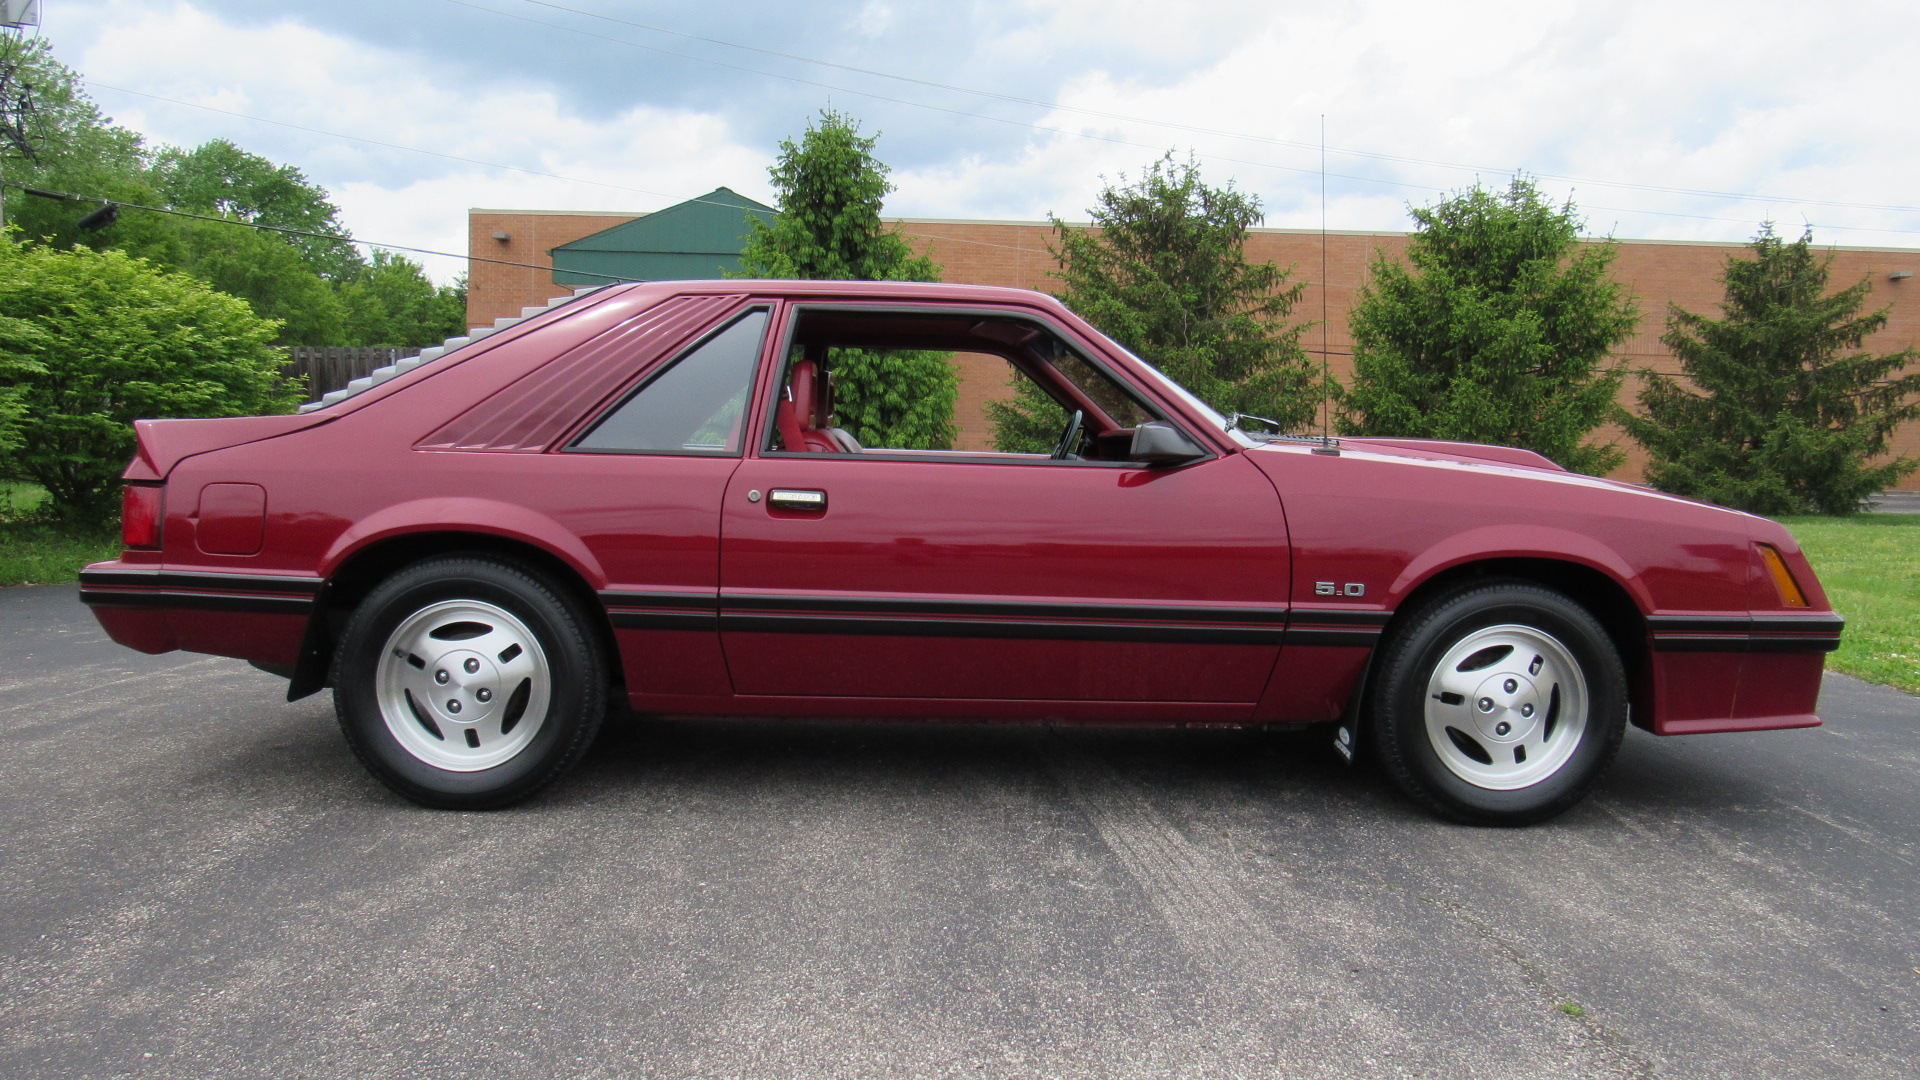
(91, 341)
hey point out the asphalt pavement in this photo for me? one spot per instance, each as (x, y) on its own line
(198, 881)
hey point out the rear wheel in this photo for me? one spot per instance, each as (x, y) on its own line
(468, 682)
(1499, 703)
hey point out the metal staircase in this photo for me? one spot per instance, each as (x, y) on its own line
(429, 355)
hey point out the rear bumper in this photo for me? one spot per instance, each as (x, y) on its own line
(256, 617)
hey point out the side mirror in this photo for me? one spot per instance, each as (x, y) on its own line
(1157, 443)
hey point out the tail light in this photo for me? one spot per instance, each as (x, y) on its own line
(140, 515)
(1783, 582)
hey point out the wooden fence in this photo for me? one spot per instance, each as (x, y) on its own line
(328, 369)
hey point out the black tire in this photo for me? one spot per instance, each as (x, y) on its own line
(1565, 704)
(490, 639)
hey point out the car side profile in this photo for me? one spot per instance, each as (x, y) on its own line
(642, 494)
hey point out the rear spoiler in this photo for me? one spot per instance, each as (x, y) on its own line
(165, 443)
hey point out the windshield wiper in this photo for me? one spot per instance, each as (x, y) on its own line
(1234, 418)
(1276, 435)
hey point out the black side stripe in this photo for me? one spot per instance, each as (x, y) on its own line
(1044, 630)
(275, 594)
(1764, 634)
(189, 581)
(1342, 627)
(662, 610)
(916, 608)
(913, 617)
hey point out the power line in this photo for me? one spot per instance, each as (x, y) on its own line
(674, 200)
(67, 196)
(1057, 106)
(978, 243)
(470, 161)
(370, 142)
(920, 104)
(1129, 142)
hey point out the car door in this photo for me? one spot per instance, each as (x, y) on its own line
(920, 575)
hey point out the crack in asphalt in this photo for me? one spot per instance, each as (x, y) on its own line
(1215, 923)
(1635, 1065)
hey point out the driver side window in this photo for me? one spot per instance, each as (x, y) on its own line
(934, 384)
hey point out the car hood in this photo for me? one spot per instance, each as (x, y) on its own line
(1448, 450)
(1522, 466)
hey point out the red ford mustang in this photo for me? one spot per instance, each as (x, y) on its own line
(642, 491)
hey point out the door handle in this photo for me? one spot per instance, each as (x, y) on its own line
(795, 499)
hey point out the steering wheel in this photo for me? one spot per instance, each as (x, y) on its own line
(1063, 449)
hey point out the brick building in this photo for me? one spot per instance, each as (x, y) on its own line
(1656, 273)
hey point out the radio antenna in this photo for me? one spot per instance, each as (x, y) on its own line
(1327, 445)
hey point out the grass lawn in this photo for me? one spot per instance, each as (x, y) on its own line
(1870, 565)
(36, 553)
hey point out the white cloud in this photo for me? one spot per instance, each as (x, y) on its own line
(1782, 103)
(1779, 100)
(642, 158)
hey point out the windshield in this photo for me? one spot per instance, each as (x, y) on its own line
(1208, 412)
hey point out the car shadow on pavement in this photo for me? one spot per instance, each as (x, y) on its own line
(297, 748)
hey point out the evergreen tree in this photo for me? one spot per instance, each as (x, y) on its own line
(1498, 333)
(1787, 414)
(830, 189)
(1164, 273)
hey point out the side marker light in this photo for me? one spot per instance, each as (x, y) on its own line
(1783, 582)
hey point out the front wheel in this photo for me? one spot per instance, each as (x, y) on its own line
(1499, 703)
(468, 682)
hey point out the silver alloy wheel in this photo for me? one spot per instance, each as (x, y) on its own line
(1506, 707)
(463, 685)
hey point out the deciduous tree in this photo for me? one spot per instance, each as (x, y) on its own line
(221, 179)
(1784, 412)
(831, 188)
(392, 302)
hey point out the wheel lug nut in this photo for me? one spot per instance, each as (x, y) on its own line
(1509, 686)
(453, 706)
(441, 676)
(471, 665)
(1526, 710)
(485, 694)
(1502, 728)
(1486, 704)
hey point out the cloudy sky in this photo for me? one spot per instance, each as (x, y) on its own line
(1667, 120)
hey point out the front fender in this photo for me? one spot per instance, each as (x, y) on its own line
(1515, 541)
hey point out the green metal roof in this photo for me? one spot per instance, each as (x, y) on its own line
(699, 238)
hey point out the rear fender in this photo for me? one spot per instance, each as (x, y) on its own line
(469, 515)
